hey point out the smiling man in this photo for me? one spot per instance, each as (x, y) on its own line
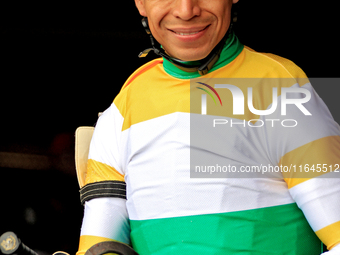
(188, 30)
(138, 187)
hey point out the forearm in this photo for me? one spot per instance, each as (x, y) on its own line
(104, 219)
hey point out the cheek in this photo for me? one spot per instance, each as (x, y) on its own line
(156, 31)
(224, 17)
(156, 10)
(156, 24)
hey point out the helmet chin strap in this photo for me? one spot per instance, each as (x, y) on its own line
(202, 67)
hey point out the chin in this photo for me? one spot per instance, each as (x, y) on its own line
(190, 54)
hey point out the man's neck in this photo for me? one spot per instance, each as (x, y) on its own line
(230, 51)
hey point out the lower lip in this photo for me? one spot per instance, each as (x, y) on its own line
(192, 37)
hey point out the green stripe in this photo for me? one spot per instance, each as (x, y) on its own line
(273, 230)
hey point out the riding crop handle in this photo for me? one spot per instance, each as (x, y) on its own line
(10, 244)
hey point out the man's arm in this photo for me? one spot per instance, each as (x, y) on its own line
(104, 195)
(313, 155)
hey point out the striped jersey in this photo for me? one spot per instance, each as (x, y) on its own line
(145, 139)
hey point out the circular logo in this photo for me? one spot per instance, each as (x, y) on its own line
(9, 243)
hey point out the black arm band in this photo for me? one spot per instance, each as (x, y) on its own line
(103, 189)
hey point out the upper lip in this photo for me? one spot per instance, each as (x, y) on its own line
(188, 29)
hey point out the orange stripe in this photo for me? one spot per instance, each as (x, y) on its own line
(142, 70)
(97, 171)
(330, 235)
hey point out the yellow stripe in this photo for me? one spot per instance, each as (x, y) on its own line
(322, 153)
(330, 235)
(141, 101)
(97, 171)
(144, 98)
(145, 102)
(267, 66)
(86, 242)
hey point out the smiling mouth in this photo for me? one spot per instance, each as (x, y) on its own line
(189, 32)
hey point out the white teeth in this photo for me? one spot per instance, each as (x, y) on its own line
(187, 33)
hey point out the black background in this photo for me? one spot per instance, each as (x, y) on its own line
(62, 63)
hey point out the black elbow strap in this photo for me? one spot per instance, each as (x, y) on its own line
(103, 189)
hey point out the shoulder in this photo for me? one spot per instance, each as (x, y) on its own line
(143, 70)
(136, 86)
(274, 64)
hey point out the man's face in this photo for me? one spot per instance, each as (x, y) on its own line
(187, 29)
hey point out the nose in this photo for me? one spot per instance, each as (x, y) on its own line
(186, 9)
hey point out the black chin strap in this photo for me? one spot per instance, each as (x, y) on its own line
(202, 67)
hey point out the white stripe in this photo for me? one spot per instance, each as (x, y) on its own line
(158, 177)
(106, 217)
(105, 146)
(155, 157)
(319, 199)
